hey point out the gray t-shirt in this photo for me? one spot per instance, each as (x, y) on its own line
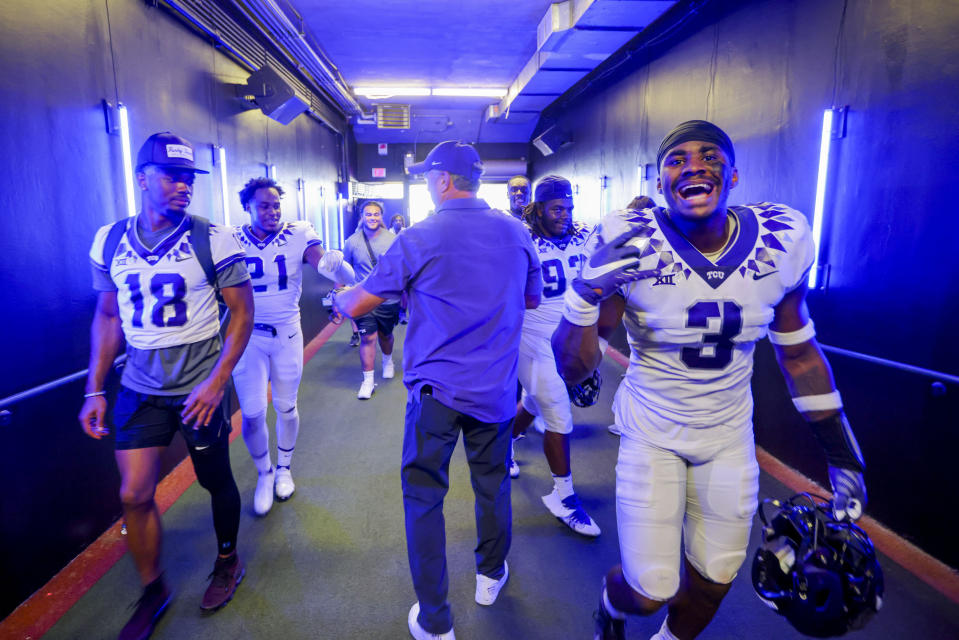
(356, 253)
(171, 371)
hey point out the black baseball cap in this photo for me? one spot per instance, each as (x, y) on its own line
(169, 151)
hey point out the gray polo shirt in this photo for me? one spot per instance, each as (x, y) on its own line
(467, 270)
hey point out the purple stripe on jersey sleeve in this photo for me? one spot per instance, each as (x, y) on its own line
(223, 264)
(99, 266)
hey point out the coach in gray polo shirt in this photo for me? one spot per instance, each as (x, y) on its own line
(470, 272)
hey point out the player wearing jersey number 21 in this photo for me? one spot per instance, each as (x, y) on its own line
(275, 253)
(687, 471)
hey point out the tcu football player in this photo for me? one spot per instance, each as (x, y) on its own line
(706, 281)
(560, 244)
(275, 253)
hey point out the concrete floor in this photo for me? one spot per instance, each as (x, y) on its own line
(331, 562)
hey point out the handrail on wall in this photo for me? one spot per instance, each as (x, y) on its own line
(892, 363)
(53, 384)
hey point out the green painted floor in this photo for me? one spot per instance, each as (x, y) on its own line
(331, 562)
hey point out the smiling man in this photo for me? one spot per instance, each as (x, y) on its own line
(363, 250)
(517, 190)
(560, 244)
(275, 254)
(156, 275)
(687, 477)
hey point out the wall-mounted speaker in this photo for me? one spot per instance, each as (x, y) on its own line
(551, 140)
(274, 95)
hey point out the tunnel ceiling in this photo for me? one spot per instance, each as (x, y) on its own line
(535, 49)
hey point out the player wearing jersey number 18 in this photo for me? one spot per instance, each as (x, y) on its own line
(275, 253)
(155, 292)
(687, 474)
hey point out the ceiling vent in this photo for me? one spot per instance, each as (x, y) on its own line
(392, 116)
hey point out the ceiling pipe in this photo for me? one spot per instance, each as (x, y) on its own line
(302, 53)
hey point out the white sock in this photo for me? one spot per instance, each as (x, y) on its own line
(387, 359)
(664, 633)
(610, 609)
(287, 428)
(367, 376)
(257, 440)
(563, 486)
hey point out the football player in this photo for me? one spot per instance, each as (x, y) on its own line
(517, 189)
(275, 253)
(721, 279)
(362, 250)
(156, 289)
(560, 244)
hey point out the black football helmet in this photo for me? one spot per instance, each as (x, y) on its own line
(820, 573)
(586, 393)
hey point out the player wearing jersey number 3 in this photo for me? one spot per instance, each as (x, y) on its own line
(275, 253)
(156, 288)
(687, 471)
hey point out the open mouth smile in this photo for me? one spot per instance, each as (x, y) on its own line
(696, 191)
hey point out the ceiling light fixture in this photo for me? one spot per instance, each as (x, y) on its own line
(388, 92)
(469, 92)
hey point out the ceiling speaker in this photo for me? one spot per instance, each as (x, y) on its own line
(551, 140)
(274, 95)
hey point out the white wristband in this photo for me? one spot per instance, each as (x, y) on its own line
(789, 338)
(577, 311)
(823, 402)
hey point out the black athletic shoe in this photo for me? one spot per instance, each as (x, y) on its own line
(607, 627)
(355, 339)
(227, 575)
(149, 609)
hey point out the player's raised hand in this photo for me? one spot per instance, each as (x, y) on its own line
(331, 261)
(849, 493)
(199, 406)
(612, 265)
(93, 417)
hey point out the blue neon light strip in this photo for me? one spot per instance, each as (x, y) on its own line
(127, 159)
(824, 146)
(221, 160)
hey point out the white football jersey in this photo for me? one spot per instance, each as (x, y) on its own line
(560, 263)
(692, 330)
(164, 296)
(276, 269)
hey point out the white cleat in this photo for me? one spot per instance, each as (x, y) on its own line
(488, 588)
(366, 390)
(570, 512)
(513, 467)
(263, 495)
(284, 484)
(389, 369)
(419, 632)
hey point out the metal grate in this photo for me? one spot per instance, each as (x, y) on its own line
(392, 116)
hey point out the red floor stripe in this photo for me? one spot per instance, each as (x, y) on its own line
(936, 574)
(36, 615)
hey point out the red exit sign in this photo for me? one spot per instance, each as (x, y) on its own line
(379, 172)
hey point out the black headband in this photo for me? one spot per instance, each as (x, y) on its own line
(696, 130)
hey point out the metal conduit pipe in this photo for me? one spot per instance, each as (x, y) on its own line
(275, 24)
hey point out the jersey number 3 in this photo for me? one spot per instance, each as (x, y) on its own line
(716, 351)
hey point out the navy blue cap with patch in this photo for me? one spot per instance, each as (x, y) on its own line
(169, 151)
(453, 157)
(552, 188)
